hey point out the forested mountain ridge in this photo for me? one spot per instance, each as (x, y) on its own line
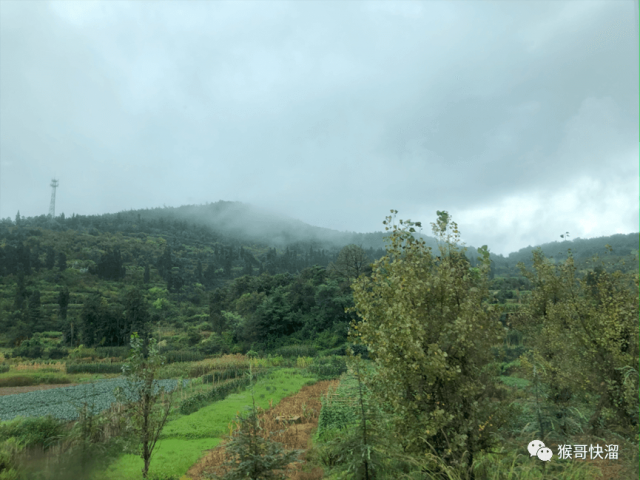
(200, 271)
(239, 224)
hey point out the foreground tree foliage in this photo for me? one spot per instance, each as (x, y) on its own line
(143, 397)
(583, 335)
(430, 333)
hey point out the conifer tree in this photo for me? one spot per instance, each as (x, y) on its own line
(252, 456)
(21, 290)
(62, 261)
(147, 274)
(50, 259)
(63, 302)
(35, 310)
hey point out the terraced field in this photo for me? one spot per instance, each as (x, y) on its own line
(187, 438)
(64, 403)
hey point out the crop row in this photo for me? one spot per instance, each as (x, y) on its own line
(340, 408)
(65, 403)
(328, 368)
(94, 368)
(217, 392)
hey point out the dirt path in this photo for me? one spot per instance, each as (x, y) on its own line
(306, 405)
(32, 388)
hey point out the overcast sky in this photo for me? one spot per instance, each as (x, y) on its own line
(518, 118)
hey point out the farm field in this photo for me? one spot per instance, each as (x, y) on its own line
(186, 437)
(32, 388)
(64, 403)
(302, 411)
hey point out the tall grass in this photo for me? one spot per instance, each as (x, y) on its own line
(95, 368)
(294, 351)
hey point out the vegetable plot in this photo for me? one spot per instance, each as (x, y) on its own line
(63, 403)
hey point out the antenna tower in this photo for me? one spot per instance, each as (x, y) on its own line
(52, 205)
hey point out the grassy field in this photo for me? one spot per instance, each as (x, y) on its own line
(186, 438)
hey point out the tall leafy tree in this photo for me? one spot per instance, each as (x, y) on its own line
(91, 318)
(50, 259)
(143, 398)
(110, 266)
(165, 263)
(24, 257)
(136, 313)
(62, 261)
(35, 308)
(147, 274)
(63, 302)
(352, 261)
(583, 334)
(216, 306)
(21, 290)
(430, 334)
(199, 276)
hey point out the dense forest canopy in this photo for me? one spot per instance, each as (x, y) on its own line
(226, 275)
(234, 224)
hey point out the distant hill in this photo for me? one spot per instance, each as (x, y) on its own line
(248, 223)
(238, 224)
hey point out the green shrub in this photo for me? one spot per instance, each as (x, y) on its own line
(32, 431)
(216, 376)
(4, 368)
(175, 356)
(9, 461)
(55, 353)
(109, 352)
(29, 380)
(328, 367)
(52, 334)
(94, 368)
(295, 351)
(340, 351)
(18, 381)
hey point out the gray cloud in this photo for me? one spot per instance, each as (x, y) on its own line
(519, 118)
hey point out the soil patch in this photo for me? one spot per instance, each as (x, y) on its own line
(31, 388)
(291, 422)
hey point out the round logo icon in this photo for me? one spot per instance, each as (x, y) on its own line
(545, 454)
(534, 446)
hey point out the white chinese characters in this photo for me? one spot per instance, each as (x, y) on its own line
(579, 452)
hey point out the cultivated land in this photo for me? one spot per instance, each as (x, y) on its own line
(186, 438)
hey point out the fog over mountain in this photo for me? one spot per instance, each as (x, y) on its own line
(518, 118)
(236, 220)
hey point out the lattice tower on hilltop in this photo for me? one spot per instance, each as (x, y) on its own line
(52, 205)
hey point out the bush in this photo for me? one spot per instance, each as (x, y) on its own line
(4, 368)
(340, 351)
(18, 381)
(326, 368)
(55, 353)
(52, 334)
(216, 376)
(27, 381)
(94, 368)
(109, 352)
(296, 351)
(174, 356)
(32, 431)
